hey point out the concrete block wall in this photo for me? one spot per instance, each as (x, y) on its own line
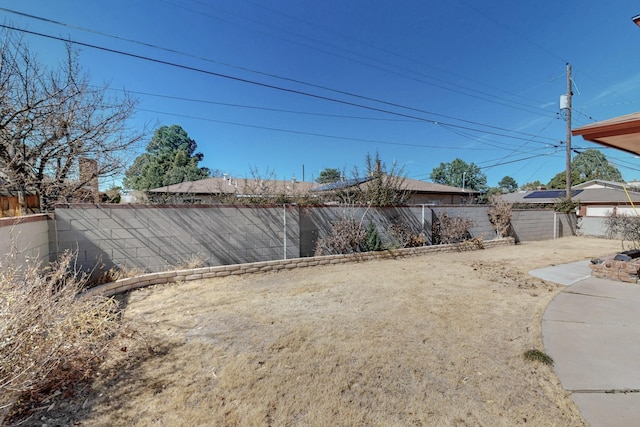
(158, 237)
(477, 213)
(25, 237)
(316, 222)
(541, 224)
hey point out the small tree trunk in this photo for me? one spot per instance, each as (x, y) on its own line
(22, 202)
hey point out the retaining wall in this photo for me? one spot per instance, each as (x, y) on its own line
(127, 284)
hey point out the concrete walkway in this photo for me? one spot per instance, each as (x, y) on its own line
(592, 332)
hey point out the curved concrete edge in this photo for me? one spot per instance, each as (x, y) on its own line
(591, 330)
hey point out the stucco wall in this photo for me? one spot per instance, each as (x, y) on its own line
(25, 237)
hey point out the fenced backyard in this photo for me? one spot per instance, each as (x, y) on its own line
(159, 238)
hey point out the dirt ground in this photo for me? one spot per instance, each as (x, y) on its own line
(431, 340)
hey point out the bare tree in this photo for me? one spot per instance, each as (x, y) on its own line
(376, 185)
(50, 118)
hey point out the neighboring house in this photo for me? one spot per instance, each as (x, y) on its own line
(10, 203)
(420, 192)
(225, 189)
(596, 198)
(430, 193)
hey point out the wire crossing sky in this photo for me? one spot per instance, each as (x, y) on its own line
(292, 87)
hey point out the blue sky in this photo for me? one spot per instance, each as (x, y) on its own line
(292, 87)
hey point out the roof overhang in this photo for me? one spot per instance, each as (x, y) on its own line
(621, 132)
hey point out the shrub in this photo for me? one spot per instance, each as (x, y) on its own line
(565, 205)
(447, 229)
(500, 214)
(49, 337)
(372, 241)
(404, 236)
(346, 236)
(624, 227)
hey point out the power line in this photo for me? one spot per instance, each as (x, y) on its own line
(286, 90)
(254, 107)
(369, 64)
(153, 46)
(344, 138)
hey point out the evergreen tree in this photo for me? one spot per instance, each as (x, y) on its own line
(170, 158)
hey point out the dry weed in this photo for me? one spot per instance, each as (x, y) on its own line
(196, 260)
(48, 337)
(434, 340)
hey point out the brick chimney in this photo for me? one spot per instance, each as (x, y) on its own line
(89, 176)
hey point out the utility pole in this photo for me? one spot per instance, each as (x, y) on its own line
(568, 142)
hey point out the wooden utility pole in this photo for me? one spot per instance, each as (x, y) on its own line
(568, 142)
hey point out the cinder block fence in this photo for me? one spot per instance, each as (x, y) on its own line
(161, 238)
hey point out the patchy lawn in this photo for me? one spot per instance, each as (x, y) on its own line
(431, 340)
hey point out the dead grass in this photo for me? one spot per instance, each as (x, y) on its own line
(432, 340)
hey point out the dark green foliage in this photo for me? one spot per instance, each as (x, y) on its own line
(328, 175)
(460, 174)
(538, 356)
(508, 185)
(565, 205)
(171, 158)
(529, 186)
(372, 241)
(559, 181)
(586, 166)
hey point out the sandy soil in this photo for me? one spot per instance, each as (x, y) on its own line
(431, 340)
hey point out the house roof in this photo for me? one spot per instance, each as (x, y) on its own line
(408, 184)
(600, 183)
(431, 187)
(587, 195)
(240, 186)
(621, 132)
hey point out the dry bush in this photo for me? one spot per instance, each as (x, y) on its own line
(196, 260)
(404, 235)
(102, 275)
(448, 229)
(49, 337)
(473, 244)
(500, 214)
(624, 227)
(346, 236)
